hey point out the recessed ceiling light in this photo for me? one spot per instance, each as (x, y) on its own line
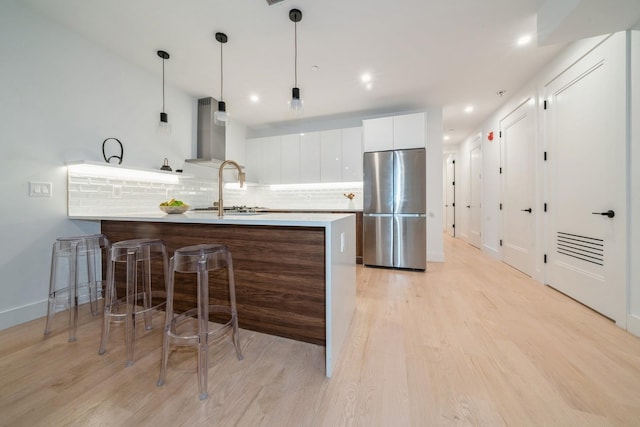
(369, 86)
(447, 137)
(365, 78)
(468, 109)
(524, 40)
(254, 98)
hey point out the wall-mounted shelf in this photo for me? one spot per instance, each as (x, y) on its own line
(89, 168)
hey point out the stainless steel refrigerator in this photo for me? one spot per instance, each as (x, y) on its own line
(395, 228)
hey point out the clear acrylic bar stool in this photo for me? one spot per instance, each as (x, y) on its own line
(74, 250)
(179, 329)
(143, 293)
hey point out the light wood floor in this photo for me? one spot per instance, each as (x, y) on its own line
(470, 342)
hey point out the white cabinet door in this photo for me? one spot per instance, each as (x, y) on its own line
(270, 160)
(352, 154)
(409, 131)
(331, 156)
(290, 159)
(378, 134)
(235, 143)
(253, 160)
(309, 157)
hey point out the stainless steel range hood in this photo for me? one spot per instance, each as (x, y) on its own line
(211, 140)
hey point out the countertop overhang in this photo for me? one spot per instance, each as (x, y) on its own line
(275, 219)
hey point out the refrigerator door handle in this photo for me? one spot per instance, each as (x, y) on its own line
(414, 215)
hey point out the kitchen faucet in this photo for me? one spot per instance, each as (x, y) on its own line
(220, 183)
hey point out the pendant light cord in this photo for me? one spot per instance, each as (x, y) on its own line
(163, 85)
(295, 66)
(221, 74)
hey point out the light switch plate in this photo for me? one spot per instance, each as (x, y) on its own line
(39, 189)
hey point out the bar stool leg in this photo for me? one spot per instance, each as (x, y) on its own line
(146, 291)
(130, 319)
(203, 327)
(109, 301)
(91, 276)
(234, 312)
(167, 326)
(73, 291)
(51, 310)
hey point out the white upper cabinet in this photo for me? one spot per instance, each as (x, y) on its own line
(352, 154)
(409, 131)
(378, 134)
(331, 156)
(310, 157)
(271, 161)
(393, 133)
(290, 159)
(253, 161)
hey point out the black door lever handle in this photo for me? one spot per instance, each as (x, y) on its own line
(527, 210)
(468, 206)
(608, 213)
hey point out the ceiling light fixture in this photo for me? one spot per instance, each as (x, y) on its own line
(163, 125)
(365, 78)
(524, 40)
(254, 98)
(468, 109)
(220, 117)
(296, 102)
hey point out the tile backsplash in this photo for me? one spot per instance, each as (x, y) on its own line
(89, 194)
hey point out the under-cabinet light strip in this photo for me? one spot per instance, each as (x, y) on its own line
(317, 186)
(112, 172)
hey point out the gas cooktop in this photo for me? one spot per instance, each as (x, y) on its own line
(234, 209)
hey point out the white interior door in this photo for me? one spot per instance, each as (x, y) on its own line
(474, 207)
(450, 195)
(585, 123)
(518, 188)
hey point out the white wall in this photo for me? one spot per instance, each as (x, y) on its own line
(633, 322)
(435, 205)
(61, 97)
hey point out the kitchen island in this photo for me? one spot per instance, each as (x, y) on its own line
(294, 272)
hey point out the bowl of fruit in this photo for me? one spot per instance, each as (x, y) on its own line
(174, 206)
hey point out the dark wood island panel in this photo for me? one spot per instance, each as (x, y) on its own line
(279, 272)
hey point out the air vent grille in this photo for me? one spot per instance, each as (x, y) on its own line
(588, 249)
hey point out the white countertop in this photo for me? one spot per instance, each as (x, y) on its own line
(276, 219)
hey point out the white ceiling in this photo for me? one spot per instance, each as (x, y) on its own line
(421, 53)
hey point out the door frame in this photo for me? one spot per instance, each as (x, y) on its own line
(476, 144)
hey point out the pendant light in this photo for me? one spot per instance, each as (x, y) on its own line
(163, 125)
(221, 118)
(296, 102)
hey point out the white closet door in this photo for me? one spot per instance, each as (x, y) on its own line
(586, 127)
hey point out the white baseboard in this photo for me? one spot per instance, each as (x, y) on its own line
(491, 251)
(17, 315)
(633, 324)
(435, 256)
